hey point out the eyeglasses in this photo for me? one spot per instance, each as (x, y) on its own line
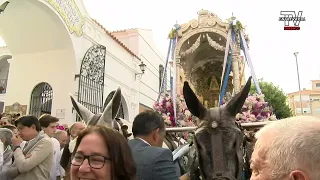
(3, 123)
(95, 161)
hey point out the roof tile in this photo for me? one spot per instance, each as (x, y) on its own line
(116, 39)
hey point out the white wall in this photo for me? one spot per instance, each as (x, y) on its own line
(120, 68)
(303, 97)
(149, 86)
(59, 67)
(140, 41)
(54, 67)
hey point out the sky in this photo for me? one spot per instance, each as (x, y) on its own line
(271, 48)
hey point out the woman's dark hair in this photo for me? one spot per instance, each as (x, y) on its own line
(122, 163)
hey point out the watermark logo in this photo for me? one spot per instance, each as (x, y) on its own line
(291, 19)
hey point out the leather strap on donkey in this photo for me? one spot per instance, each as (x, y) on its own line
(218, 159)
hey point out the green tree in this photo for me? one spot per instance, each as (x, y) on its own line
(276, 98)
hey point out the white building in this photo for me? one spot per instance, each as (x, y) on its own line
(56, 48)
(140, 41)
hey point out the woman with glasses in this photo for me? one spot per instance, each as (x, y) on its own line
(102, 153)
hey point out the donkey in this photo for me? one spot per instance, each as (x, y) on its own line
(218, 139)
(106, 118)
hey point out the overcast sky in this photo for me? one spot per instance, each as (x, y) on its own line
(271, 48)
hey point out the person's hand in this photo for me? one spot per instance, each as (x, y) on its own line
(16, 141)
(27, 156)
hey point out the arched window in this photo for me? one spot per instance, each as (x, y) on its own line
(41, 100)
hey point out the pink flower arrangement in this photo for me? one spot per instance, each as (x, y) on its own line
(166, 109)
(60, 127)
(255, 109)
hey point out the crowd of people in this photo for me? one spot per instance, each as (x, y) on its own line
(31, 149)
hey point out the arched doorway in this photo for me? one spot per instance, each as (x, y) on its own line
(200, 52)
(42, 48)
(123, 110)
(41, 100)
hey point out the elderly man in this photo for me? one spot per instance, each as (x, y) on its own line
(288, 149)
(62, 137)
(75, 129)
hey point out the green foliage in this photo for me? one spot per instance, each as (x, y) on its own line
(276, 98)
(238, 26)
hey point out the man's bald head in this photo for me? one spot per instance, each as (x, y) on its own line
(76, 128)
(62, 137)
(289, 147)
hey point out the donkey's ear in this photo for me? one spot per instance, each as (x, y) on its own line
(84, 113)
(111, 110)
(236, 103)
(193, 104)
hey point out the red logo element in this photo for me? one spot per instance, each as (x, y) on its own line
(291, 28)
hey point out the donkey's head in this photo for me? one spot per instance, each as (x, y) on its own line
(107, 117)
(218, 139)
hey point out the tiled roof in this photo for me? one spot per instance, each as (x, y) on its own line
(129, 29)
(305, 92)
(124, 30)
(116, 39)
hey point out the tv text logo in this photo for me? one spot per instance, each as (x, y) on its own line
(291, 19)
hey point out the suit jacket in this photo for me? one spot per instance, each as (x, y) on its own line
(65, 161)
(39, 165)
(153, 163)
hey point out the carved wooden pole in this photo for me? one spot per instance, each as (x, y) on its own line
(178, 68)
(235, 71)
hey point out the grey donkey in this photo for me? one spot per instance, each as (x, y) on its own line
(218, 139)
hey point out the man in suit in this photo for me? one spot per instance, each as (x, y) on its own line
(153, 161)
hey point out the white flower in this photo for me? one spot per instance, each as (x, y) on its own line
(182, 123)
(187, 113)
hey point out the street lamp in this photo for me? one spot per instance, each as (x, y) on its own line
(142, 68)
(296, 55)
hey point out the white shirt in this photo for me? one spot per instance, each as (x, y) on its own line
(56, 160)
(62, 171)
(144, 141)
(23, 143)
(1, 154)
